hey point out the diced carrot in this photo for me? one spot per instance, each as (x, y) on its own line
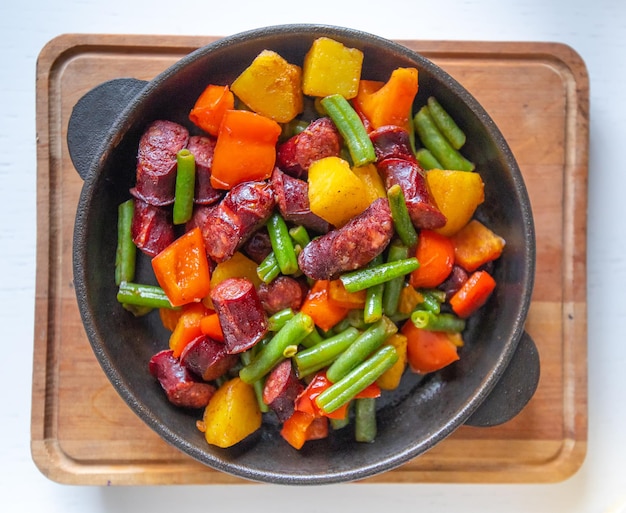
(338, 295)
(210, 326)
(316, 304)
(435, 254)
(187, 328)
(428, 351)
(473, 294)
(390, 104)
(475, 245)
(182, 269)
(209, 109)
(245, 149)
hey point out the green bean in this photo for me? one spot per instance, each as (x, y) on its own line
(373, 310)
(367, 342)
(268, 269)
(351, 129)
(294, 330)
(443, 322)
(438, 145)
(137, 311)
(246, 358)
(370, 276)
(185, 186)
(300, 235)
(126, 252)
(400, 216)
(321, 355)
(291, 128)
(391, 294)
(432, 301)
(138, 294)
(357, 380)
(446, 124)
(365, 419)
(427, 160)
(282, 244)
(278, 320)
(312, 338)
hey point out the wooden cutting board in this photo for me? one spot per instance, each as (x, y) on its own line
(537, 93)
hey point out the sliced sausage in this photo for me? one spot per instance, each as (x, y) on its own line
(318, 140)
(228, 224)
(179, 384)
(258, 246)
(283, 292)
(152, 229)
(281, 388)
(410, 176)
(241, 314)
(350, 247)
(292, 198)
(392, 142)
(202, 149)
(207, 358)
(156, 162)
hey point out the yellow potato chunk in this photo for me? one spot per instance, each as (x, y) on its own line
(374, 183)
(336, 193)
(457, 194)
(330, 67)
(232, 414)
(271, 86)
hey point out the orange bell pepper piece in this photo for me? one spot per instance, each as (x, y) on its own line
(294, 429)
(473, 294)
(435, 254)
(210, 326)
(390, 104)
(169, 317)
(317, 305)
(245, 149)
(475, 245)
(182, 269)
(187, 328)
(209, 109)
(428, 351)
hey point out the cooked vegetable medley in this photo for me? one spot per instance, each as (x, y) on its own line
(312, 240)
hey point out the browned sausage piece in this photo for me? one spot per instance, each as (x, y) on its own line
(283, 292)
(292, 197)
(318, 140)
(207, 358)
(350, 247)
(180, 386)
(156, 162)
(202, 149)
(410, 176)
(392, 142)
(152, 229)
(281, 389)
(227, 225)
(241, 314)
(258, 246)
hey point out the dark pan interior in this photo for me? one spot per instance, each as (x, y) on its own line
(412, 419)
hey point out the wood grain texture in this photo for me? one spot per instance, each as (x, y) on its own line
(537, 93)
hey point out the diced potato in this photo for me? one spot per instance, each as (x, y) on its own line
(390, 379)
(238, 266)
(372, 180)
(331, 68)
(475, 245)
(457, 194)
(271, 86)
(336, 194)
(232, 414)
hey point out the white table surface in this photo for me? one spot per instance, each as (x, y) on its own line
(595, 29)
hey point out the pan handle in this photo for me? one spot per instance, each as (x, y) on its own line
(94, 115)
(514, 389)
